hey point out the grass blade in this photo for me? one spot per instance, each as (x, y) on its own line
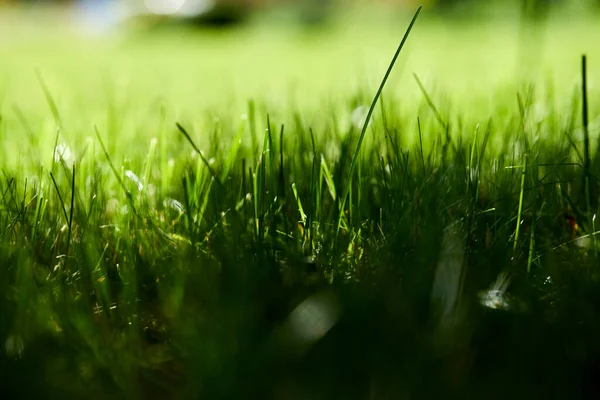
(368, 118)
(520, 211)
(62, 203)
(116, 173)
(70, 220)
(421, 146)
(437, 114)
(204, 160)
(49, 98)
(585, 116)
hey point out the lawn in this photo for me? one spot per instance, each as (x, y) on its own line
(194, 213)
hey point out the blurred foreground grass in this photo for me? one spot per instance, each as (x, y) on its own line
(463, 263)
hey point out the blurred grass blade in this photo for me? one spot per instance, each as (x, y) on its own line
(421, 146)
(437, 114)
(49, 98)
(115, 172)
(70, 221)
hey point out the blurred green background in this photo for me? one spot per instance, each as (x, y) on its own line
(303, 55)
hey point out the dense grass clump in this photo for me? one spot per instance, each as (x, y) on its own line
(416, 253)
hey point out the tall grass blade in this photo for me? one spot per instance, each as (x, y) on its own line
(70, 221)
(326, 173)
(299, 203)
(115, 172)
(281, 177)
(54, 155)
(585, 115)
(368, 118)
(590, 189)
(272, 175)
(436, 112)
(520, 210)
(38, 208)
(234, 151)
(252, 124)
(49, 98)
(204, 160)
(421, 146)
(60, 199)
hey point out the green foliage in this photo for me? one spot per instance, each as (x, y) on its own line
(176, 255)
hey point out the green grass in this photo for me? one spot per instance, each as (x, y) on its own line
(212, 201)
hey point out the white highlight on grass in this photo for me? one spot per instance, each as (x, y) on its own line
(585, 242)
(536, 113)
(112, 206)
(14, 346)
(151, 190)
(173, 204)
(89, 182)
(62, 152)
(134, 178)
(313, 318)
(445, 292)
(497, 297)
(359, 115)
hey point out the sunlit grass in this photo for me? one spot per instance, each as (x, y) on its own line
(186, 213)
